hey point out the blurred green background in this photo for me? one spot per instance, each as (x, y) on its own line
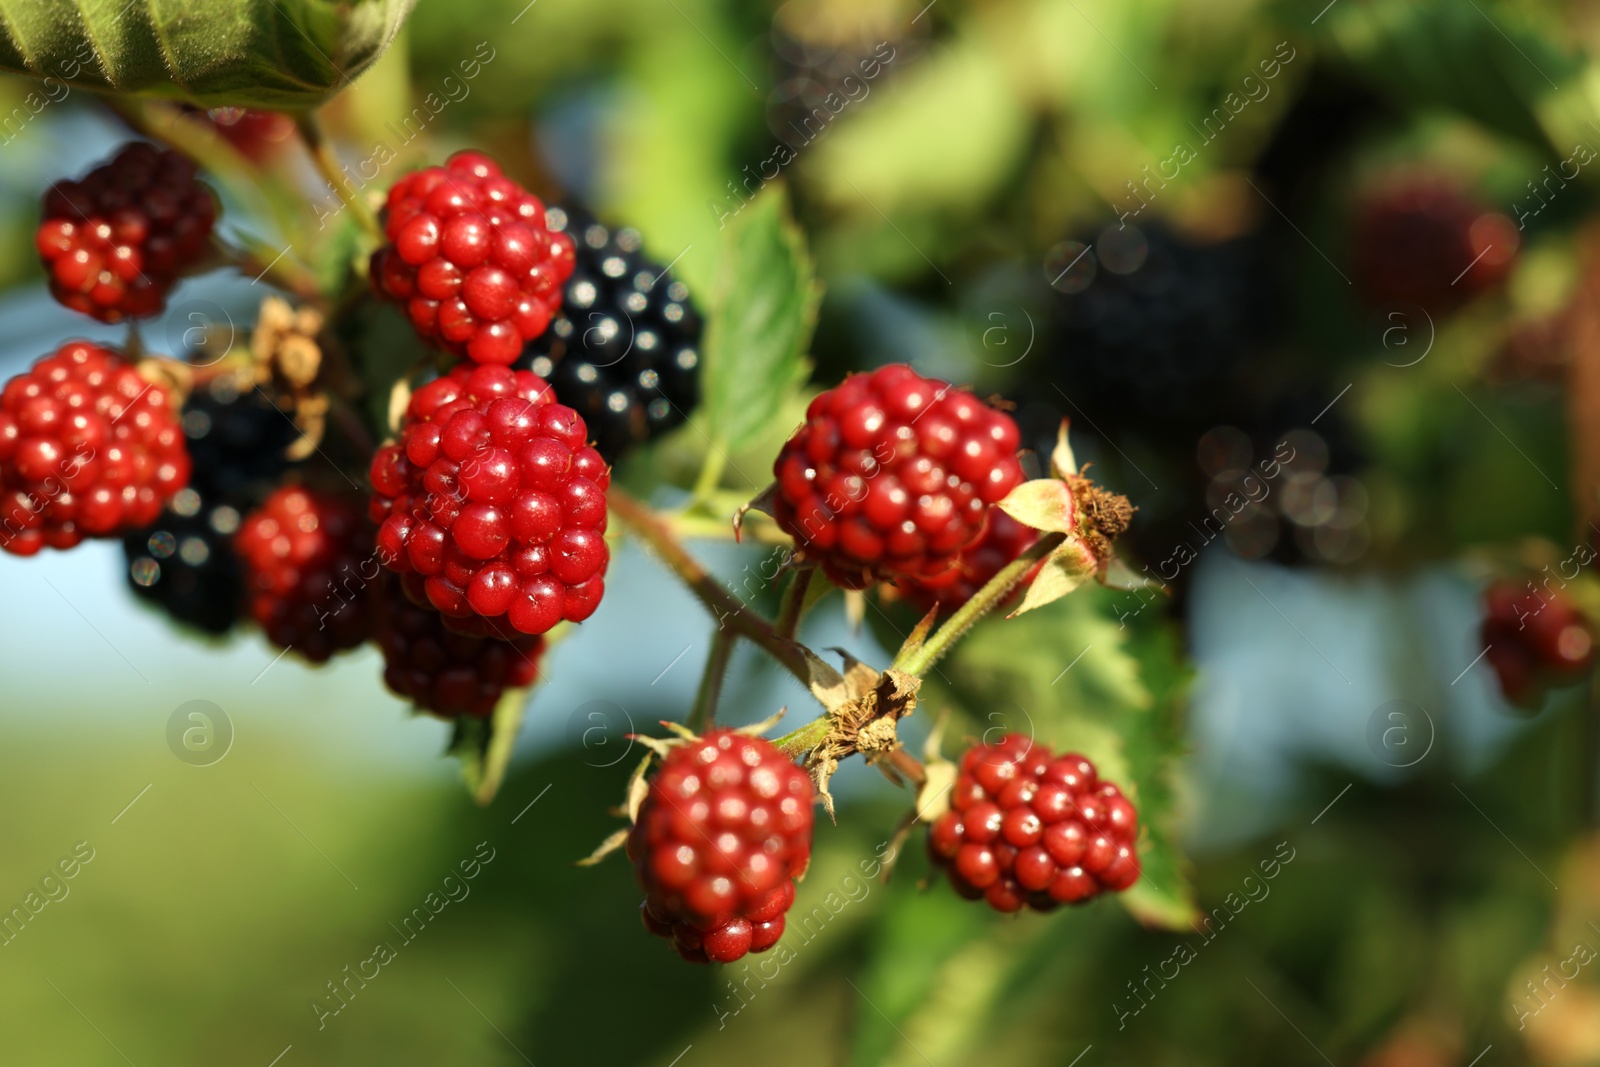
(962, 201)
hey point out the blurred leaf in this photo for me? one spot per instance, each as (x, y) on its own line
(484, 746)
(244, 53)
(1484, 60)
(760, 321)
(897, 153)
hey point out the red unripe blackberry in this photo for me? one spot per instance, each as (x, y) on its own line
(445, 672)
(260, 135)
(1422, 240)
(88, 448)
(1026, 828)
(892, 475)
(723, 831)
(1002, 541)
(492, 505)
(309, 561)
(471, 259)
(1534, 640)
(116, 240)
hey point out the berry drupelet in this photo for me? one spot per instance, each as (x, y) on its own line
(624, 349)
(491, 504)
(88, 448)
(1026, 828)
(892, 476)
(723, 831)
(471, 259)
(115, 241)
(1003, 540)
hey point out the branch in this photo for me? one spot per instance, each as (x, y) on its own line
(729, 611)
(919, 659)
(704, 712)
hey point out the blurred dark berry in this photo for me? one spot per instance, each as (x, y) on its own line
(1152, 330)
(185, 562)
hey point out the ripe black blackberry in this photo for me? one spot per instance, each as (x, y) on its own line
(238, 440)
(1155, 328)
(624, 350)
(185, 562)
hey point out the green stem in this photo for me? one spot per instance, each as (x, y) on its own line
(983, 601)
(327, 163)
(704, 712)
(806, 737)
(721, 529)
(730, 612)
(710, 475)
(794, 602)
(285, 272)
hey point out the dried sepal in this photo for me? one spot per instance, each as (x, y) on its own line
(933, 796)
(1044, 504)
(1062, 461)
(855, 608)
(764, 502)
(864, 721)
(1065, 569)
(919, 635)
(606, 848)
(758, 729)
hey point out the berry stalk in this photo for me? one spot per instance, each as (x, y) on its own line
(704, 711)
(322, 154)
(730, 612)
(917, 660)
(793, 605)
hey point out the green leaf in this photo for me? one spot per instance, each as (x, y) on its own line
(484, 746)
(1493, 62)
(760, 322)
(214, 53)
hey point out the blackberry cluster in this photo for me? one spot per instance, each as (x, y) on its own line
(116, 241)
(185, 562)
(492, 507)
(471, 259)
(893, 475)
(1026, 828)
(624, 350)
(88, 448)
(1155, 328)
(722, 834)
(1535, 641)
